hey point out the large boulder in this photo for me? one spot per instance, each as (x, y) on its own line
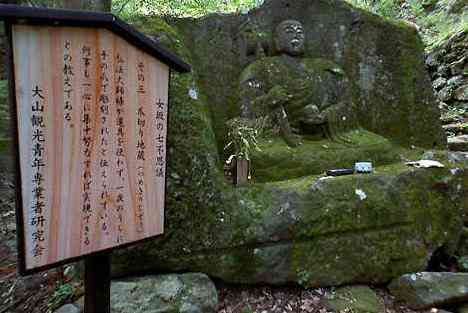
(308, 230)
(390, 88)
(317, 232)
(426, 290)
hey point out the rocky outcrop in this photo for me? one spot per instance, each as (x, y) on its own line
(317, 232)
(390, 88)
(426, 290)
(458, 143)
(311, 230)
(70, 308)
(448, 66)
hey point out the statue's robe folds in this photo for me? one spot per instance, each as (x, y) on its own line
(307, 84)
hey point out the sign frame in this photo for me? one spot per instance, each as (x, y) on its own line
(13, 15)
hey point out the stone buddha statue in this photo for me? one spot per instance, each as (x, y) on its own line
(304, 97)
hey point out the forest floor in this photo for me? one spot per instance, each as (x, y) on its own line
(267, 299)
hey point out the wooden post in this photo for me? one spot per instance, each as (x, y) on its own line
(241, 175)
(97, 283)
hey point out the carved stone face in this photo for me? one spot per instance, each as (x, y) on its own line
(290, 38)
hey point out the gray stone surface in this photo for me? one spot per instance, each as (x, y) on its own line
(172, 293)
(294, 226)
(439, 83)
(389, 99)
(356, 299)
(457, 128)
(69, 308)
(458, 156)
(461, 93)
(426, 290)
(458, 143)
(463, 263)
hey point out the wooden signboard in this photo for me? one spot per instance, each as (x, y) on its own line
(91, 112)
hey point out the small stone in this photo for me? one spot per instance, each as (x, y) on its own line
(439, 83)
(445, 94)
(463, 263)
(430, 289)
(443, 70)
(431, 60)
(455, 81)
(69, 308)
(458, 67)
(428, 155)
(187, 293)
(458, 143)
(461, 94)
(457, 128)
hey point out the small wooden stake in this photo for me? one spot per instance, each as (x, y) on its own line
(241, 175)
(97, 283)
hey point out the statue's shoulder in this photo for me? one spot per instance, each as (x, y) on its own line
(323, 65)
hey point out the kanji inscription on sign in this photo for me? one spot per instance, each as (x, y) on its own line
(92, 126)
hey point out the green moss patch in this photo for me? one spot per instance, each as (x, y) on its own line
(277, 161)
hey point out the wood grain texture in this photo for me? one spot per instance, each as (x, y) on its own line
(92, 127)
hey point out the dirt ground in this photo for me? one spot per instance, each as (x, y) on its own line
(242, 299)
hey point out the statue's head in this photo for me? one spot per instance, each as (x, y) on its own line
(290, 38)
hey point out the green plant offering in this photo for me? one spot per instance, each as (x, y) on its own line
(243, 137)
(62, 294)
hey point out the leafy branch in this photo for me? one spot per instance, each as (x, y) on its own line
(243, 137)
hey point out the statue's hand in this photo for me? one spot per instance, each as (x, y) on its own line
(277, 97)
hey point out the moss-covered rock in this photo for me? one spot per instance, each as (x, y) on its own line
(310, 230)
(184, 293)
(426, 290)
(276, 161)
(382, 60)
(298, 226)
(317, 232)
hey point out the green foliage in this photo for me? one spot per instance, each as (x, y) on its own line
(181, 8)
(436, 24)
(243, 137)
(62, 294)
(385, 8)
